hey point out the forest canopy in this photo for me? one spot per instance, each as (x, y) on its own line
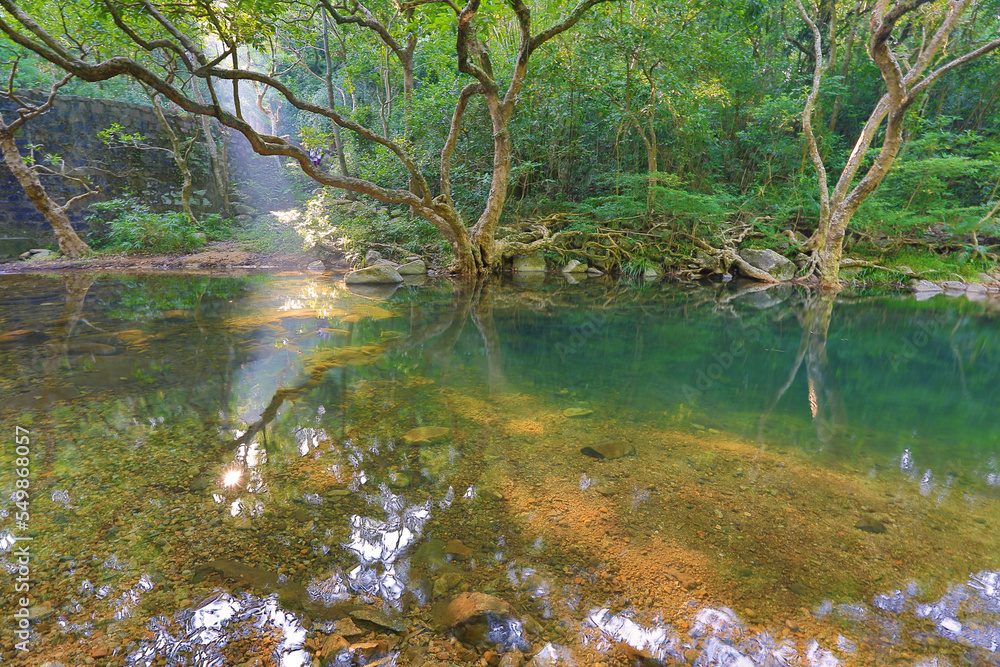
(650, 127)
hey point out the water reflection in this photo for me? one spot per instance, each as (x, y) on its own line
(325, 471)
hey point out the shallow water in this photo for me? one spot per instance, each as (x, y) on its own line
(220, 472)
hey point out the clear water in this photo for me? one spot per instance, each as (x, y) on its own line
(219, 473)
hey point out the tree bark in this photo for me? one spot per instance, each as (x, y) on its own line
(70, 244)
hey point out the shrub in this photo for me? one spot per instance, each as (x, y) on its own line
(129, 225)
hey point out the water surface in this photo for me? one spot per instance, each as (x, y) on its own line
(220, 470)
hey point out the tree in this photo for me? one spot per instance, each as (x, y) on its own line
(903, 89)
(70, 244)
(173, 61)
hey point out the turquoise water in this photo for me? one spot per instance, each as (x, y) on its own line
(225, 469)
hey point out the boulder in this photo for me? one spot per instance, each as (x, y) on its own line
(372, 257)
(592, 271)
(781, 268)
(374, 275)
(650, 274)
(573, 266)
(412, 268)
(529, 263)
(708, 263)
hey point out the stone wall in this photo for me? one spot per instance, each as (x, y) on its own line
(70, 129)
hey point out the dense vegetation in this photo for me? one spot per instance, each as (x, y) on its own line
(638, 133)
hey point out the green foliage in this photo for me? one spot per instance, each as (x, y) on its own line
(356, 227)
(128, 225)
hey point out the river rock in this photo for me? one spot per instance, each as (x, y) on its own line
(573, 266)
(469, 605)
(23, 336)
(870, 525)
(384, 262)
(345, 628)
(413, 268)
(613, 449)
(373, 275)
(529, 263)
(448, 582)
(38, 253)
(925, 289)
(594, 271)
(392, 620)
(431, 554)
(650, 274)
(457, 549)
(577, 412)
(781, 268)
(426, 435)
(954, 286)
(371, 257)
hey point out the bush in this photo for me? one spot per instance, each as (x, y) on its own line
(130, 226)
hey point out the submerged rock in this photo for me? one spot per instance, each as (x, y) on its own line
(23, 336)
(431, 554)
(613, 449)
(392, 620)
(457, 549)
(373, 275)
(870, 525)
(469, 605)
(426, 435)
(577, 412)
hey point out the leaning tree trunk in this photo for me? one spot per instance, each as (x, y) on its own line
(70, 244)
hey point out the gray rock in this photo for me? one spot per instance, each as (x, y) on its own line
(316, 266)
(412, 268)
(650, 274)
(593, 271)
(372, 257)
(384, 262)
(38, 253)
(976, 292)
(985, 278)
(927, 286)
(954, 286)
(573, 266)
(374, 275)
(708, 263)
(781, 268)
(396, 213)
(529, 263)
